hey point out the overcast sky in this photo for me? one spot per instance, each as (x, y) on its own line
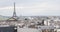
(30, 7)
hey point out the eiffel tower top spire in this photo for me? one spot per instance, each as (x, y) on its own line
(14, 13)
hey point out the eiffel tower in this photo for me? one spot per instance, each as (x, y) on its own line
(14, 17)
(14, 13)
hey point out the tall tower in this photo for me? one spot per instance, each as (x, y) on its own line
(14, 13)
(14, 17)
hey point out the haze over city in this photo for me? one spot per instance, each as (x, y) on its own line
(30, 7)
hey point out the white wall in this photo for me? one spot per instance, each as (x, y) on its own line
(28, 30)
